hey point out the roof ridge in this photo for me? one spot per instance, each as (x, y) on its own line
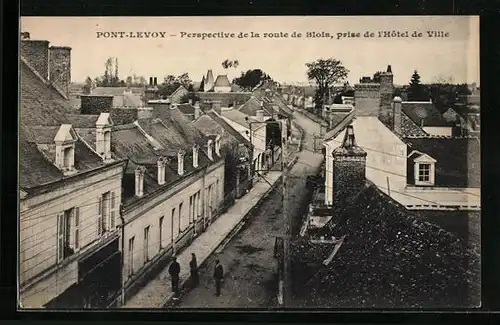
(448, 137)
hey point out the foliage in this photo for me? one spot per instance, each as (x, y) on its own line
(376, 76)
(417, 91)
(110, 77)
(251, 78)
(326, 73)
(190, 97)
(171, 83)
(88, 86)
(230, 64)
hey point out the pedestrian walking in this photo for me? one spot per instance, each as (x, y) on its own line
(174, 271)
(218, 275)
(193, 265)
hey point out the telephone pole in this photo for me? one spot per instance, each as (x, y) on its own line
(286, 228)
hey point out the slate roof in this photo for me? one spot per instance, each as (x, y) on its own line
(116, 91)
(408, 127)
(222, 81)
(42, 111)
(458, 160)
(226, 128)
(251, 107)
(187, 108)
(424, 112)
(339, 122)
(389, 259)
(127, 100)
(237, 117)
(40, 104)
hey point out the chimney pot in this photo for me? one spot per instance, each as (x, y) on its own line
(150, 81)
(155, 81)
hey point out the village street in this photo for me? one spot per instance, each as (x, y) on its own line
(250, 279)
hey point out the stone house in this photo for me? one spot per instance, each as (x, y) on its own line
(70, 250)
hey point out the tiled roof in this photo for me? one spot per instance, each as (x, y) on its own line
(408, 127)
(251, 107)
(127, 100)
(40, 104)
(389, 258)
(423, 113)
(228, 128)
(338, 124)
(81, 120)
(116, 91)
(458, 159)
(450, 115)
(237, 117)
(222, 81)
(186, 108)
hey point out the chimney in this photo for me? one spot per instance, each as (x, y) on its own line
(389, 69)
(139, 181)
(155, 81)
(216, 106)
(210, 145)
(195, 155)
(151, 81)
(396, 114)
(25, 36)
(197, 110)
(145, 118)
(36, 53)
(60, 67)
(180, 162)
(161, 170)
(96, 104)
(349, 176)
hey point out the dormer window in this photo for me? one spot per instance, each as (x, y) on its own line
(210, 149)
(195, 156)
(161, 170)
(65, 141)
(424, 169)
(180, 162)
(103, 136)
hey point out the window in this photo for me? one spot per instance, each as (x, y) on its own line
(424, 172)
(146, 244)
(131, 256)
(107, 212)
(160, 230)
(217, 192)
(68, 236)
(67, 157)
(181, 228)
(191, 209)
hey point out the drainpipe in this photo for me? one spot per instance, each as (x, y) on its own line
(123, 257)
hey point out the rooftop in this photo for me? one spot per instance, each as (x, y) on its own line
(423, 113)
(222, 81)
(389, 258)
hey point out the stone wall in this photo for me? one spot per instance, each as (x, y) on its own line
(37, 55)
(60, 67)
(96, 104)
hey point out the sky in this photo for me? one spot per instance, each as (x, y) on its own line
(455, 56)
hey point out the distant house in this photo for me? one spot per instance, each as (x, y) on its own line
(176, 96)
(427, 116)
(192, 112)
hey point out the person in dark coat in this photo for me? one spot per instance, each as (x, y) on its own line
(218, 275)
(193, 265)
(174, 271)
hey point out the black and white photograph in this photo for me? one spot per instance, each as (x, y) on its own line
(249, 163)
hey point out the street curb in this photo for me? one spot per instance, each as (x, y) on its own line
(236, 228)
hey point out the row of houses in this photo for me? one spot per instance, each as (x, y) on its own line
(110, 192)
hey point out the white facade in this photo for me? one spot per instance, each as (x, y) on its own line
(385, 160)
(156, 225)
(222, 89)
(438, 130)
(43, 274)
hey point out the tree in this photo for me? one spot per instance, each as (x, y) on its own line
(417, 91)
(171, 83)
(88, 86)
(326, 73)
(251, 78)
(376, 76)
(230, 64)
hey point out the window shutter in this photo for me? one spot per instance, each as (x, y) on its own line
(99, 217)
(60, 237)
(112, 216)
(77, 230)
